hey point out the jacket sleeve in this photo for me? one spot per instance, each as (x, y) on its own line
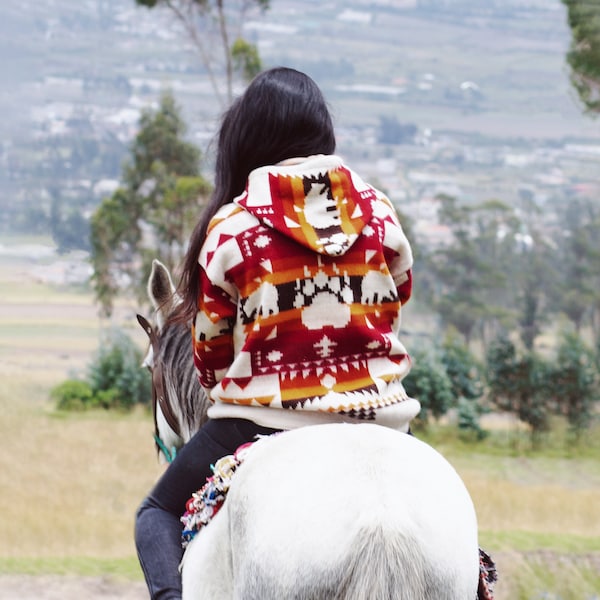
(398, 252)
(404, 289)
(217, 304)
(213, 332)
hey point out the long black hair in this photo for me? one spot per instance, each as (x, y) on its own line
(282, 114)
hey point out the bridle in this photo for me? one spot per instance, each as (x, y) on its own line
(159, 397)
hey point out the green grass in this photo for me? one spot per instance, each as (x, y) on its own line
(547, 576)
(122, 568)
(514, 440)
(533, 541)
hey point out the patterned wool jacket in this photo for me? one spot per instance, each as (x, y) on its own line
(302, 281)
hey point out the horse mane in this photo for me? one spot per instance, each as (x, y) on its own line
(182, 388)
(171, 351)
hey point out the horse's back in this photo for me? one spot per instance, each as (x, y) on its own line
(349, 512)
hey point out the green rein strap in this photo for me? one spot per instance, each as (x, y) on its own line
(169, 454)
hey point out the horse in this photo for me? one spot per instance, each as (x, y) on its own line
(323, 512)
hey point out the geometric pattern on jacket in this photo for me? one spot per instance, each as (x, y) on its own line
(302, 281)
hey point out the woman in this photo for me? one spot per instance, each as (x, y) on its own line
(294, 281)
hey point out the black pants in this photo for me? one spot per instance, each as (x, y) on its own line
(158, 528)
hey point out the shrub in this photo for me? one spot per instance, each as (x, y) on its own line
(72, 394)
(109, 398)
(116, 376)
(468, 419)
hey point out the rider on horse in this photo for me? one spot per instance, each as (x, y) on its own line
(294, 281)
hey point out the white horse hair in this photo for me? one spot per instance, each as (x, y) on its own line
(338, 512)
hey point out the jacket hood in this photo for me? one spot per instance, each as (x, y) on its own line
(316, 201)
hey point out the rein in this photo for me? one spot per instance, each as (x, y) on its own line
(159, 397)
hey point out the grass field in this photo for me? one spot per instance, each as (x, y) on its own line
(71, 483)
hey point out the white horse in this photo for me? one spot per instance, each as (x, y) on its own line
(332, 512)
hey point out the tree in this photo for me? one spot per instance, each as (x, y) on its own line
(462, 369)
(577, 292)
(205, 20)
(519, 384)
(575, 382)
(391, 131)
(532, 274)
(152, 213)
(584, 54)
(70, 229)
(471, 270)
(465, 375)
(429, 383)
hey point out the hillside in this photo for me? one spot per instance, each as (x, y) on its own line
(368, 56)
(485, 85)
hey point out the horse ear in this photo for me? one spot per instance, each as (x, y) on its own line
(161, 290)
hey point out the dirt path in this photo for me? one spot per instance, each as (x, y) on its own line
(57, 587)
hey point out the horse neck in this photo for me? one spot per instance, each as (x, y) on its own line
(183, 392)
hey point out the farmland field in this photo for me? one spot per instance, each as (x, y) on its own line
(71, 482)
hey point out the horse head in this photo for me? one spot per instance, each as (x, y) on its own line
(179, 402)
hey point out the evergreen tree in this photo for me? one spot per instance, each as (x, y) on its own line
(584, 54)
(429, 383)
(575, 383)
(466, 377)
(464, 371)
(154, 210)
(519, 384)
